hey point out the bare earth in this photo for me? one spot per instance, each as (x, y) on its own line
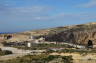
(77, 56)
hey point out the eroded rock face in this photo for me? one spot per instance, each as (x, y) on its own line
(79, 34)
(82, 37)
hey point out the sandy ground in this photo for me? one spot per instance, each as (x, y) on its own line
(77, 56)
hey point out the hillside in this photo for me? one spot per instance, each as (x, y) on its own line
(81, 27)
(79, 34)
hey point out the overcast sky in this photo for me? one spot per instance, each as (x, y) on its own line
(23, 15)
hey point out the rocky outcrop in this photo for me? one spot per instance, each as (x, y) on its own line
(78, 34)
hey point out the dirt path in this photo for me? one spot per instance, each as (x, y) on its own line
(16, 53)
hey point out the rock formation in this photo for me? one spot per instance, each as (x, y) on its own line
(78, 34)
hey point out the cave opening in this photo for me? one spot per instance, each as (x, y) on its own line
(90, 44)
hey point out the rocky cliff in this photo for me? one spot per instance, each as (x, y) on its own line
(78, 34)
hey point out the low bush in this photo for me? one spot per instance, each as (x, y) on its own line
(41, 59)
(0, 49)
(5, 52)
(67, 59)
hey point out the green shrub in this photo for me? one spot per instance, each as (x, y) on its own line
(6, 52)
(67, 59)
(40, 59)
(0, 49)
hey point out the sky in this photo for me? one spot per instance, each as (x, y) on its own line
(23, 15)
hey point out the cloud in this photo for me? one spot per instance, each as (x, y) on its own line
(89, 4)
(24, 13)
(67, 17)
(3, 7)
(32, 9)
(39, 13)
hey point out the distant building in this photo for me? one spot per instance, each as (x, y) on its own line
(41, 39)
(28, 44)
(31, 37)
(1, 39)
(36, 41)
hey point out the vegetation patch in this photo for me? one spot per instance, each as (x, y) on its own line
(43, 46)
(41, 59)
(5, 52)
